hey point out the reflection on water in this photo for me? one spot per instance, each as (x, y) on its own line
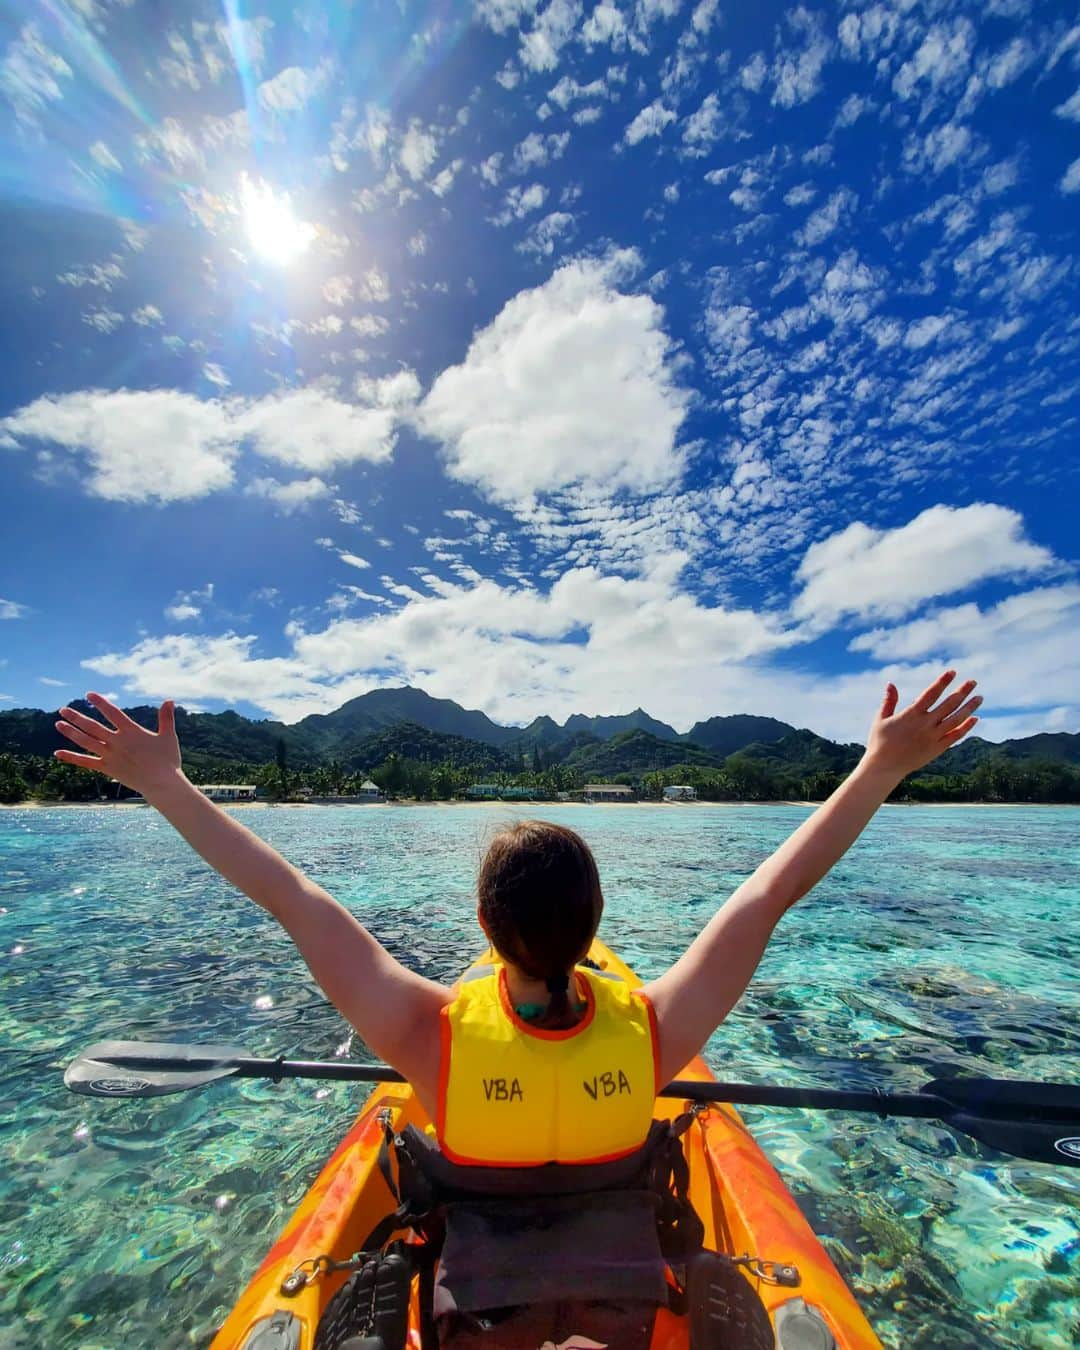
(945, 944)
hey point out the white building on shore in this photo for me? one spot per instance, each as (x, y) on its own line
(680, 792)
(228, 792)
(607, 792)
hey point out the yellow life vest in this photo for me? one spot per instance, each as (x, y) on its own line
(511, 1094)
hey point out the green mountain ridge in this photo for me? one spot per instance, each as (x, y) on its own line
(408, 725)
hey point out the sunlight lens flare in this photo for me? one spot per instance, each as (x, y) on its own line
(271, 224)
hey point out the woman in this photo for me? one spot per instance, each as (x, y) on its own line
(490, 1062)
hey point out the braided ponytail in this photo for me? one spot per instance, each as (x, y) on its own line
(541, 902)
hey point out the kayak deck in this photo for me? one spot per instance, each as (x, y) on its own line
(744, 1205)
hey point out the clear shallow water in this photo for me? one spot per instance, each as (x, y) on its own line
(945, 943)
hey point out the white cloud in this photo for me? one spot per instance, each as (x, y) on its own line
(519, 202)
(571, 383)
(30, 74)
(173, 144)
(372, 286)
(188, 605)
(292, 88)
(444, 179)
(605, 25)
(923, 331)
(490, 168)
(541, 238)
(650, 121)
(536, 150)
(103, 156)
(701, 130)
(863, 571)
(289, 497)
(1070, 181)
(144, 445)
(797, 74)
(942, 147)
(568, 89)
(147, 315)
(337, 290)
(870, 32)
(800, 195)
(101, 275)
(554, 26)
(1009, 64)
(104, 320)
(1070, 108)
(164, 445)
(11, 609)
(822, 222)
(966, 629)
(310, 430)
(941, 60)
(418, 151)
(752, 75)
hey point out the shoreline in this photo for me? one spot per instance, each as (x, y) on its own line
(512, 805)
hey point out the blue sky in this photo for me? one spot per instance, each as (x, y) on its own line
(553, 357)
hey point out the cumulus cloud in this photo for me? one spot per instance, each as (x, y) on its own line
(554, 26)
(164, 445)
(292, 88)
(822, 222)
(308, 429)
(888, 573)
(512, 648)
(289, 497)
(188, 605)
(1070, 181)
(572, 383)
(650, 121)
(139, 445)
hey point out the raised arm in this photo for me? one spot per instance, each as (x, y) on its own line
(394, 1010)
(698, 992)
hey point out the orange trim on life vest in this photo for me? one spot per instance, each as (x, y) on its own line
(521, 1025)
(445, 1037)
(655, 1033)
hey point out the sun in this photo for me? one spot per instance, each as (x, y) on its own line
(272, 227)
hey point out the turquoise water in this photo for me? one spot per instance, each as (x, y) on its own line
(945, 943)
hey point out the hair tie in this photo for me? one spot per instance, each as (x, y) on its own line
(558, 984)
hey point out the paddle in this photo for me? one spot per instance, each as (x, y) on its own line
(1040, 1121)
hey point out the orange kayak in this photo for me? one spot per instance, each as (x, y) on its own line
(745, 1207)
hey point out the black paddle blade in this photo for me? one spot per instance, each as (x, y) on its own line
(1056, 1142)
(1011, 1098)
(101, 1071)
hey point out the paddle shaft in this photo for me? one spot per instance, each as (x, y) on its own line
(917, 1105)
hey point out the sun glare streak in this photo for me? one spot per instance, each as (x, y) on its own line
(272, 227)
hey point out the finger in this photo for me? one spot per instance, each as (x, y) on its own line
(115, 715)
(958, 733)
(90, 725)
(949, 705)
(166, 718)
(889, 702)
(954, 719)
(80, 737)
(933, 692)
(83, 761)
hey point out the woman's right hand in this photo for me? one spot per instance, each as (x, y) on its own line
(902, 742)
(120, 748)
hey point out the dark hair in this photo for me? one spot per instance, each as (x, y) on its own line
(541, 901)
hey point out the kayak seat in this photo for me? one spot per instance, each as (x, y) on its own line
(583, 1245)
(513, 1258)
